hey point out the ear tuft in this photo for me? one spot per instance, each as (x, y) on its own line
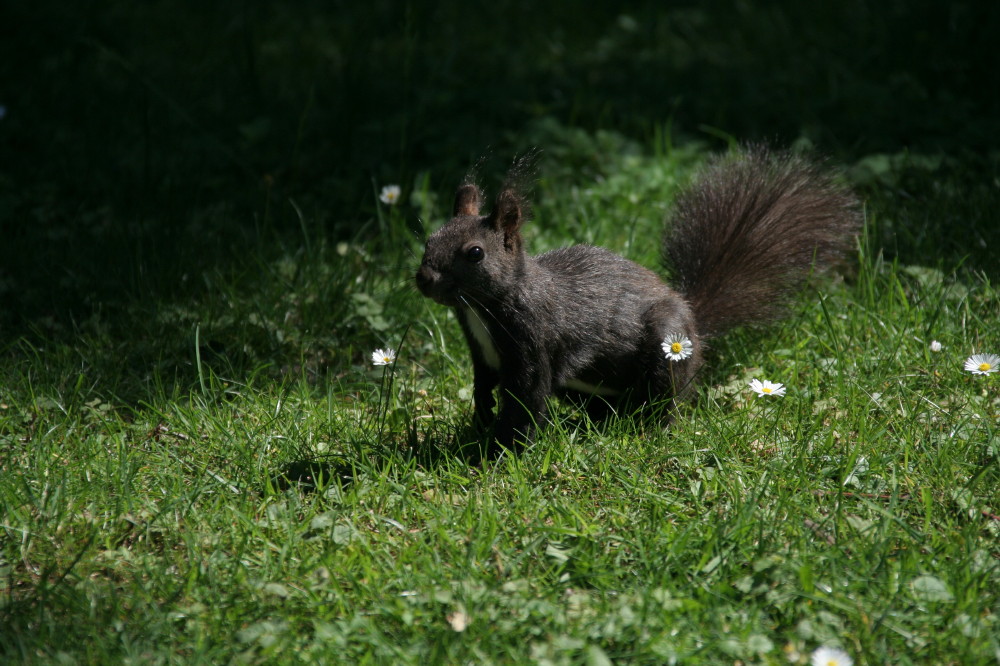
(508, 211)
(467, 200)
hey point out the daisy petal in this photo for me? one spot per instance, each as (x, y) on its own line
(383, 356)
(982, 364)
(829, 656)
(677, 346)
(766, 387)
(389, 194)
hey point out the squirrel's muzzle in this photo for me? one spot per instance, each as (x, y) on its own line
(425, 279)
(432, 285)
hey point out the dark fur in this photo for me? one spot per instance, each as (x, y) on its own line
(581, 318)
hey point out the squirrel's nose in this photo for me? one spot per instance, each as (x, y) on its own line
(425, 277)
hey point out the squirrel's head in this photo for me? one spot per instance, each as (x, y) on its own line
(475, 259)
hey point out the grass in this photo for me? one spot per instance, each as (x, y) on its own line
(143, 518)
(199, 464)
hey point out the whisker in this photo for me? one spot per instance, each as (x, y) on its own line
(486, 310)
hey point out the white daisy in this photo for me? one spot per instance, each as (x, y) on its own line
(828, 656)
(383, 356)
(936, 346)
(677, 346)
(389, 194)
(767, 388)
(982, 364)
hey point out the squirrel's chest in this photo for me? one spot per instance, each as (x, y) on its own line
(481, 336)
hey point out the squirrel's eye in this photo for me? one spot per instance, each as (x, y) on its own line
(475, 254)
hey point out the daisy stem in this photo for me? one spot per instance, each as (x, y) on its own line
(387, 397)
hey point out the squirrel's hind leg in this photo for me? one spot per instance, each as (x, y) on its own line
(672, 349)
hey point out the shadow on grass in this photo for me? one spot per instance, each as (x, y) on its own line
(167, 142)
(467, 447)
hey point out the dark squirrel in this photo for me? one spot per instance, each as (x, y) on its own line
(582, 319)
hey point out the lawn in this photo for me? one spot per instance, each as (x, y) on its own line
(199, 462)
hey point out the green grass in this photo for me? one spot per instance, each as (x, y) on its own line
(198, 463)
(143, 521)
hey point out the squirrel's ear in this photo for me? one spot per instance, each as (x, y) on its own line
(467, 200)
(507, 214)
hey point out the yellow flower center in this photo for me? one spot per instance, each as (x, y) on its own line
(676, 347)
(766, 389)
(984, 367)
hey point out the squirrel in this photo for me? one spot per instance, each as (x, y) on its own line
(583, 320)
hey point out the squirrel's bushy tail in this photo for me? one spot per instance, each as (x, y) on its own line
(750, 229)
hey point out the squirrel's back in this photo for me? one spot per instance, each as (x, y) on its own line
(749, 232)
